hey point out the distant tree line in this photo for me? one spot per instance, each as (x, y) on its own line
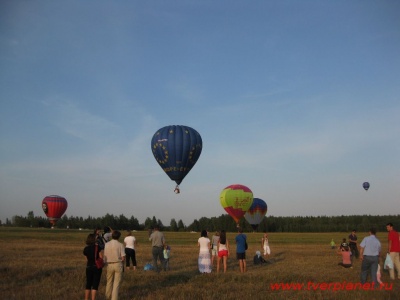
(268, 224)
(300, 224)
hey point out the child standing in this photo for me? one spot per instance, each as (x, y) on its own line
(214, 248)
(166, 253)
(333, 245)
(265, 245)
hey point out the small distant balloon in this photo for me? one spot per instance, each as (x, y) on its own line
(54, 207)
(176, 148)
(256, 213)
(236, 199)
(366, 186)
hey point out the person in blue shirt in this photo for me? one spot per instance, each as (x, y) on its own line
(241, 241)
(370, 250)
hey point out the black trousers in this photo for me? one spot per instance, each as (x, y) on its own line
(130, 255)
(354, 250)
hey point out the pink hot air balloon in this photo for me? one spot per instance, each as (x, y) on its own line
(236, 199)
(54, 207)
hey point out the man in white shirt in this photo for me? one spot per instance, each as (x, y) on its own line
(370, 249)
(114, 257)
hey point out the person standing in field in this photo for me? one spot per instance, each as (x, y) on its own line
(93, 274)
(157, 241)
(393, 250)
(353, 244)
(107, 234)
(265, 245)
(166, 253)
(114, 256)
(100, 241)
(369, 255)
(241, 241)
(214, 249)
(223, 250)
(346, 260)
(204, 244)
(333, 245)
(130, 252)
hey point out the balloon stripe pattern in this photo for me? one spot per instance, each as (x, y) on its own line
(256, 212)
(236, 199)
(54, 207)
(176, 148)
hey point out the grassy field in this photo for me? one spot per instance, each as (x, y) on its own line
(49, 264)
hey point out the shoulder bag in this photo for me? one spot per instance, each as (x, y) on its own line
(98, 260)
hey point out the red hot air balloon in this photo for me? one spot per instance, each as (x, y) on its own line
(54, 207)
(236, 199)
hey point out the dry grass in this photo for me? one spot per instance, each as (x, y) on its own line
(49, 264)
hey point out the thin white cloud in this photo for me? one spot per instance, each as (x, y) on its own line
(79, 123)
(186, 91)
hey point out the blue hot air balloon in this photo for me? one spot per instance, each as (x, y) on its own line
(366, 186)
(256, 212)
(176, 148)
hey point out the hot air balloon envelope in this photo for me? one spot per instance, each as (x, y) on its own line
(256, 212)
(176, 148)
(54, 207)
(236, 199)
(366, 186)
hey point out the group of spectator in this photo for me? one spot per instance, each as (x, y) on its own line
(115, 256)
(106, 245)
(220, 249)
(370, 254)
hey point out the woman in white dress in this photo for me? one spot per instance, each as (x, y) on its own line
(204, 254)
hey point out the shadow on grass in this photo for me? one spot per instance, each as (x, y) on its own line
(149, 284)
(277, 258)
(160, 281)
(39, 275)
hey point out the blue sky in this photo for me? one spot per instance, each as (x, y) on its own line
(298, 100)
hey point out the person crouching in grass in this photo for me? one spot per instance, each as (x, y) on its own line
(346, 257)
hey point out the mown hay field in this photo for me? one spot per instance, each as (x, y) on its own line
(49, 264)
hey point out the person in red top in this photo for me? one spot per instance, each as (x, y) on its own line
(393, 249)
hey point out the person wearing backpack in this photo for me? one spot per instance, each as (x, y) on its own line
(100, 241)
(241, 247)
